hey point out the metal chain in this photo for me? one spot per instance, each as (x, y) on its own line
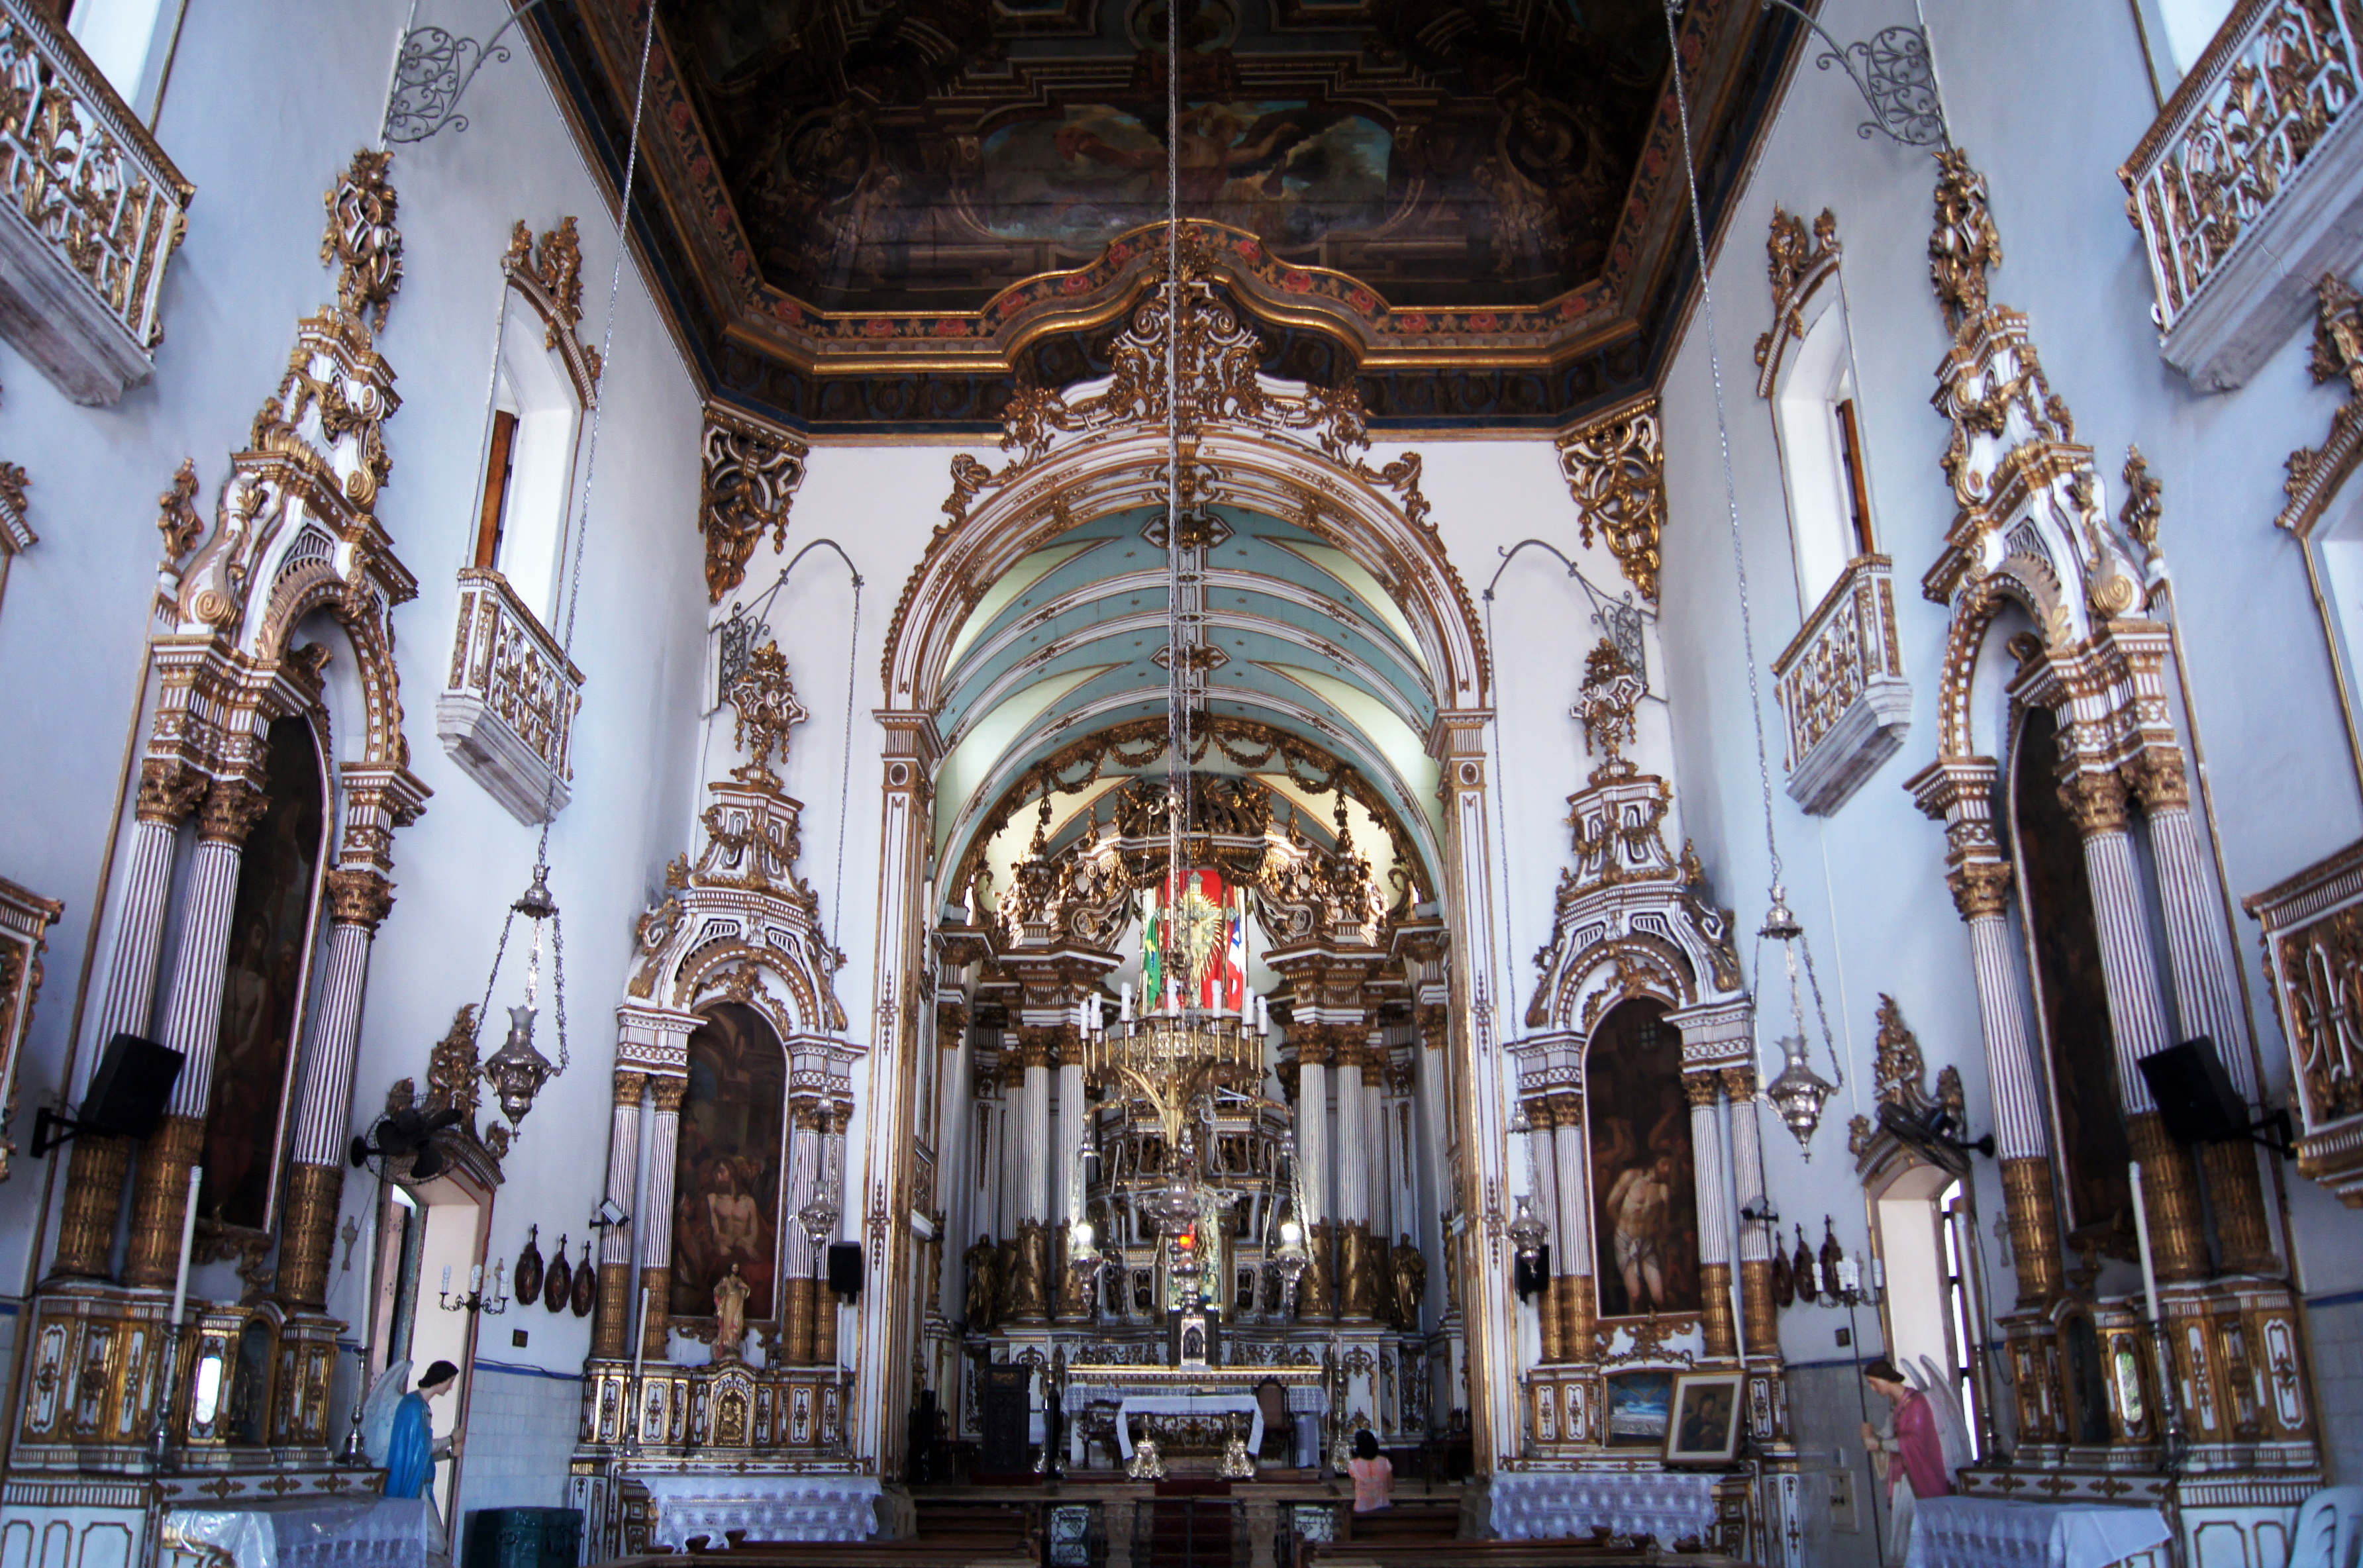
(1731, 508)
(845, 773)
(1502, 793)
(1177, 678)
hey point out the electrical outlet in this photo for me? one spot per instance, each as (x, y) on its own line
(517, 1338)
(1846, 1337)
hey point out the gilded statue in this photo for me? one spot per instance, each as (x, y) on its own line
(1028, 1292)
(730, 1316)
(983, 1283)
(1409, 1269)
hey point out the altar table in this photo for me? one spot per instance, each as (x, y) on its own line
(1997, 1532)
(768, 1507)
(316, 1532)
(1670, 1506)
(1189, 1405)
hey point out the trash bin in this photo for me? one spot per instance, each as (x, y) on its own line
(524, 1538)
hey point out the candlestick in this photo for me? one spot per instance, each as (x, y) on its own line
(2141, 1233)
(188, 1238)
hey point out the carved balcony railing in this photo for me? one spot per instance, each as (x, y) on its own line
(1841, 685)
(506, 714)
(2314, 959)
(93, 211)
(2246, 189)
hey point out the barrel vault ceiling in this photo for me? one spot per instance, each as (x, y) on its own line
(880, 215)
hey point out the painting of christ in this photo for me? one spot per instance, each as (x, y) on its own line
(262, 983)
(726, 1164)
(1644, 1191)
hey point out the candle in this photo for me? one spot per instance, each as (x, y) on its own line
(188, 1236)
(1124, 1016)
(2141, 1233)
(476, 1279)
(447, 1279)
(1878, 1272)
(1850, 1275)
(639, 1357)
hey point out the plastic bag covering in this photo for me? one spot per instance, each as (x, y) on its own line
(318, 1532)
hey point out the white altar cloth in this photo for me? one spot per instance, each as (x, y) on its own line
(1996, 1532)
(1188, 1405)
(768, 1507)
(317, 1532)
(1672, 1505)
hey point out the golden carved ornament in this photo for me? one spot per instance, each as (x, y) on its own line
(1965, 244)
(1899, 1072)
(2339, 333)
(2144, 506)
(1793, 263)
(177, 517)
(2095, 802)
(1980, 888)
(630, 1084)
(1702, 1090)
(94, 1201)
(307, 1236)
(2322, 980)
(1616, 470)
(752, 475)
(159, 1196)
(2170, 1191)
(670, 1091)
(169, 790)
(2158, 777)
(2033, 1228)
(1715, 1327)
(1612, 693)
(232, 807)
(765, 699)
(358, 896)
(1739, 1085)
(362, 242)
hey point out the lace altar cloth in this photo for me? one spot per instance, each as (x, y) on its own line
(317, 1533)
(1999, 1532)
(1669, 1505)
(1189, 1405)
(768, 1507)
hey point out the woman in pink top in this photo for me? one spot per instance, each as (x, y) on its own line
(1374, 1475)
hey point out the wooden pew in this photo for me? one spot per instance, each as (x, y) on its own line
(1498, 1554)
(963, 1553)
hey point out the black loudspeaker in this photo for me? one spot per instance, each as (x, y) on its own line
(2194, 1094)
(845, 1267)
(1532, 1278)
(133, 1085)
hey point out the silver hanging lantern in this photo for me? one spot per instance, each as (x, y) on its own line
(518, 1071)
(1527, 1231)
(1799, 1093)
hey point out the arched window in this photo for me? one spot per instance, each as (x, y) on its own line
(727, 1166)
(2071, 995)
(1645, 1230)
(1821, 450)
(271, 947)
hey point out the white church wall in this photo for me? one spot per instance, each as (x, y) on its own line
(2046, 124)
(245, 79)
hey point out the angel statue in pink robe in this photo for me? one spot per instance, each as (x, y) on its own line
(1929, 1444)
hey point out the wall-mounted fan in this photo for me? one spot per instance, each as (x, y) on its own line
(411, 1133)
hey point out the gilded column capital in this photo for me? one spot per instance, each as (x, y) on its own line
(2095, 802)
(358, 896)
(1568, 1109)
(2158, 776)
(1314, 1046)
(232, 807)
(670, 1092)
(1980, 888)
(1038, 1046)
(169, 790)
(1739, 1083)
(1702, 1089)
(630, 1084)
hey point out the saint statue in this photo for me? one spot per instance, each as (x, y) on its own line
(1409, 1269)
(983, 1283)
(730, 1316)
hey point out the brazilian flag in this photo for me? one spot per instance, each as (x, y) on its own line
(1152, 958)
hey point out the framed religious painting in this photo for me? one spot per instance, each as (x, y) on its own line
(1702, 1426)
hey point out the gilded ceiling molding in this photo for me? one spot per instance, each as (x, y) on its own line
(752, 472)
(1797, 266)
(550, 278)
(1616, 470)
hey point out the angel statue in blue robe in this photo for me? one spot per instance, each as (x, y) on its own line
(398, 1429)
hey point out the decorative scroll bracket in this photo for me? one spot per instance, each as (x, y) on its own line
(431, 72)
(1896, 76)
